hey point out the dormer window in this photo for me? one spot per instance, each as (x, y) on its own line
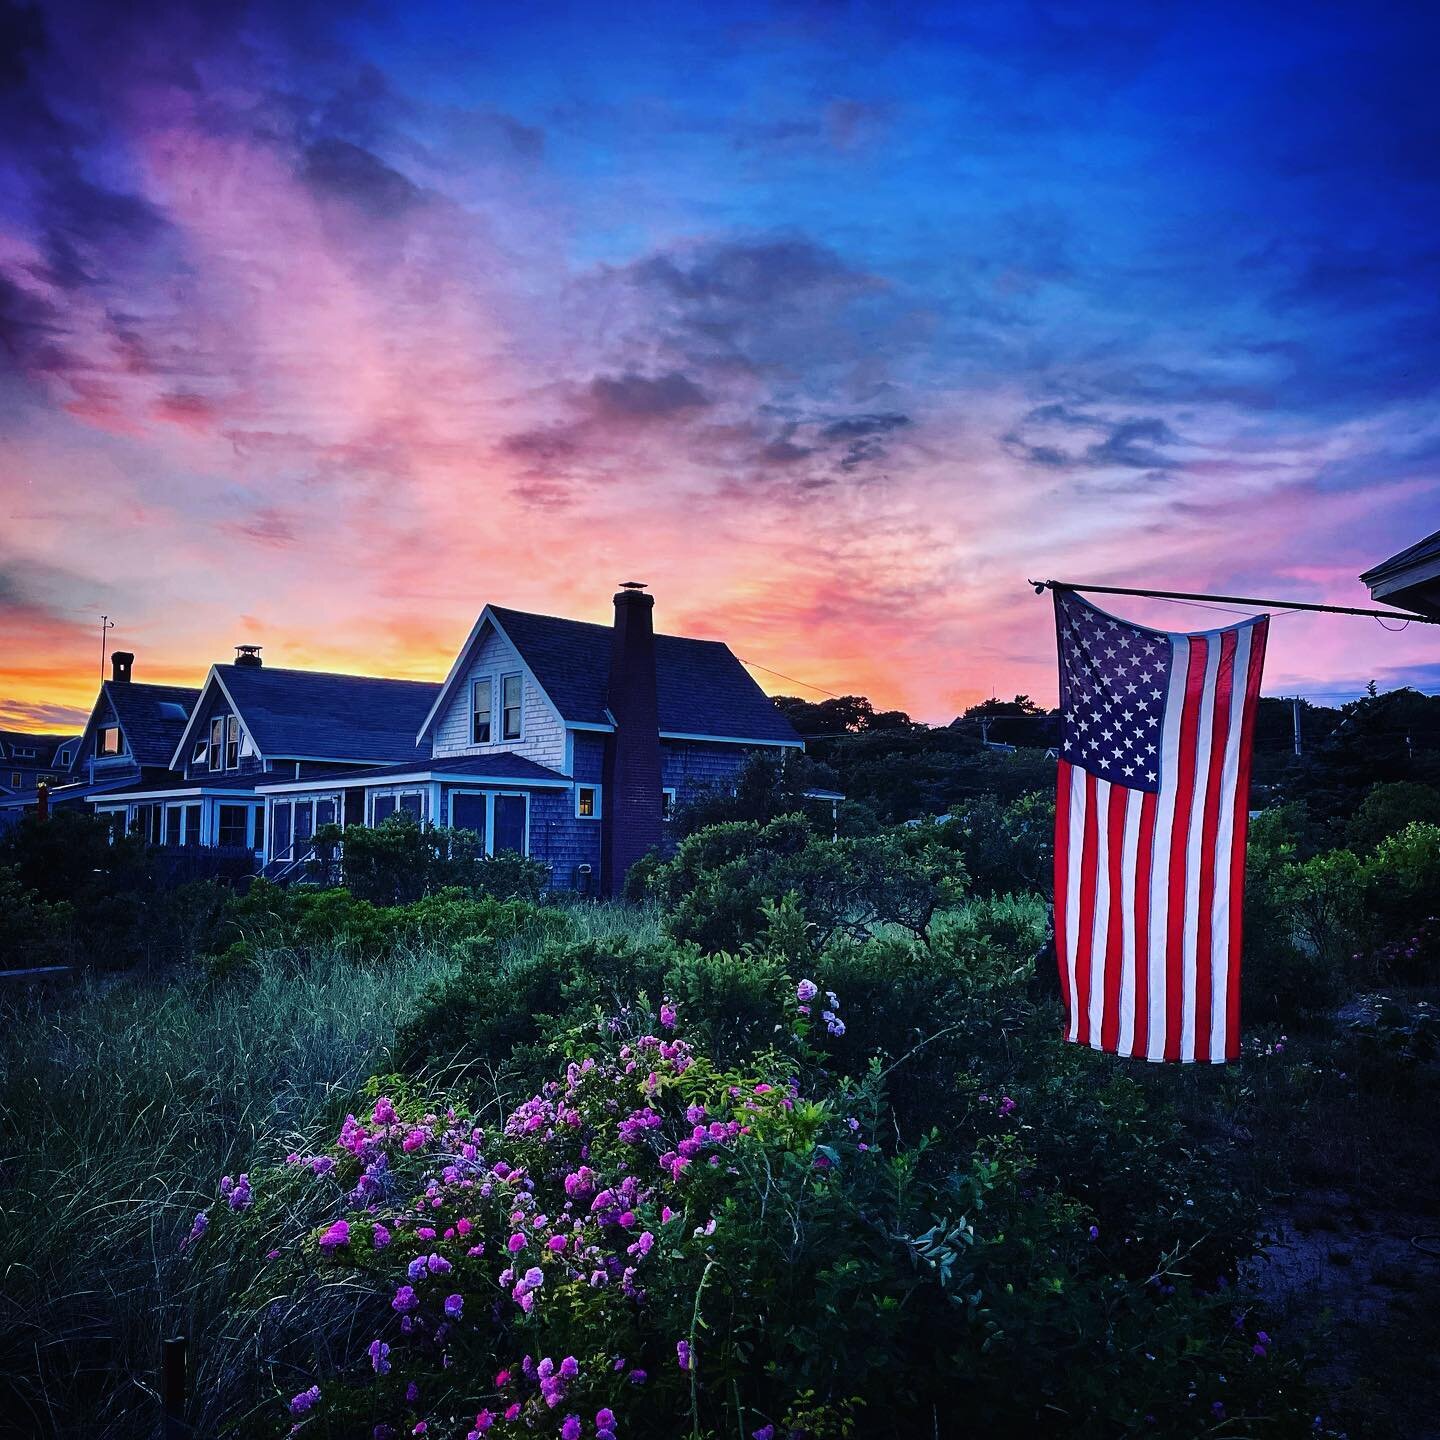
(197, 755)
(510, 716)
(217, 743)
(232, 742)
(482, 707)
(107, 741)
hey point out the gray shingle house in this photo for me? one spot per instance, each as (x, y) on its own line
(566, 741)
(562, 740)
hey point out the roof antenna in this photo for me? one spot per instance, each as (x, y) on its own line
(106, 625)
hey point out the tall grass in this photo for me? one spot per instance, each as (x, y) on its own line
(121, 1103)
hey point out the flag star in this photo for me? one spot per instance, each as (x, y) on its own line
(1107, 734)
(1131, 688)
(1154, 694)
(1150, 776)
(1129, 769)
(1149, 649)
(1150, 749)
(1124, 642)
(1142, 704)
(1109, 654)
(1118, 753)
(1104, 762)
(1128, 715)
(1114, 624)
(1152, 720)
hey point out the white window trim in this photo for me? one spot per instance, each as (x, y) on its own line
(394, 793)
(215, 748)
(475, 683)
(490, 797)
(519, 676)
(595, 814)
(232, 723)
(674, 795)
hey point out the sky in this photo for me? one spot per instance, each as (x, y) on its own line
(322, 326)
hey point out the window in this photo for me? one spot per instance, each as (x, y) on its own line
(191, 834)
(197, 755)
(384, 809)
(16, 779)
(482, 705)
(26, 754)
(510, 707)
(413, 805)
(510, 826)
(667, 803)
(469, 811)
(587, 802)
(217, 742)
(232, 821)
(107, 740)
(232, 742)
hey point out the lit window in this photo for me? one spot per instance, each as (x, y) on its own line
(217, 742)
(15, 779)
(510, 702)
(587, 802)
(197, 755)
(107, 741)
(232, 742)
(481, 706)
(667, 803)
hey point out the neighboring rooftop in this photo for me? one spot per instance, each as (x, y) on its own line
(702, 688)
(1410, 579)
(498, 765)
(309, 713)
(152, 717)
(44, 746)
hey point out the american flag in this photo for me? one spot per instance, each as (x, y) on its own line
(1150, 828)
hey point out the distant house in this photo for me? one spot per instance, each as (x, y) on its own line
(1411, 579)
(566, 741)
(248, 723)
(27, 761)
(569, 742)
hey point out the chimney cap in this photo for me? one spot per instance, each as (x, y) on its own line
(248, 654)
(632, 584)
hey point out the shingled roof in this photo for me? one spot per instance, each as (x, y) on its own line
(152, 716)
(44, 746)
(309, 713)
(702, 688)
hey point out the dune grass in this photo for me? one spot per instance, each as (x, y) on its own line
(122, 1101)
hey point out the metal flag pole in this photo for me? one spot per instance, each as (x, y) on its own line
(1041, 586)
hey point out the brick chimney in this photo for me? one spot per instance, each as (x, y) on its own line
(121, 663)
(630, 817)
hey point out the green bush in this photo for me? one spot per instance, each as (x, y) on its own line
(713, 1250)
(714, 890)
(401, 861)
(1388, 808)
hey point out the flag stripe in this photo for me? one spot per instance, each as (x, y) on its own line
(1178, 950)
(1129, 911)
(1080, 1020)
(1100, 924)
(1224, 838)
(1108, 1026)
(1060, 906)
(1160, 898)
(1258, 636)
(1209, 860)
(1197, 858)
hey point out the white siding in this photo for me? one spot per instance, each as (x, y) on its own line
(542, 735)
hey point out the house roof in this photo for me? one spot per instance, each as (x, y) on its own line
(311, 714)
(1409, 579)
(44, 746)
(702, 689)
(173, 782)
(152, 716)
(501, 766)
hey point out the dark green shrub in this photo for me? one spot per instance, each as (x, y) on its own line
(715, 888)
(400, 861)
(1389, 808)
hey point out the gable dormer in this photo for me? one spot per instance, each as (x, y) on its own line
(491, 703)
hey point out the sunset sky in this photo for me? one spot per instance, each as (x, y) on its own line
(321, 326)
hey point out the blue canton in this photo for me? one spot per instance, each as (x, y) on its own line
(1114, 678)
